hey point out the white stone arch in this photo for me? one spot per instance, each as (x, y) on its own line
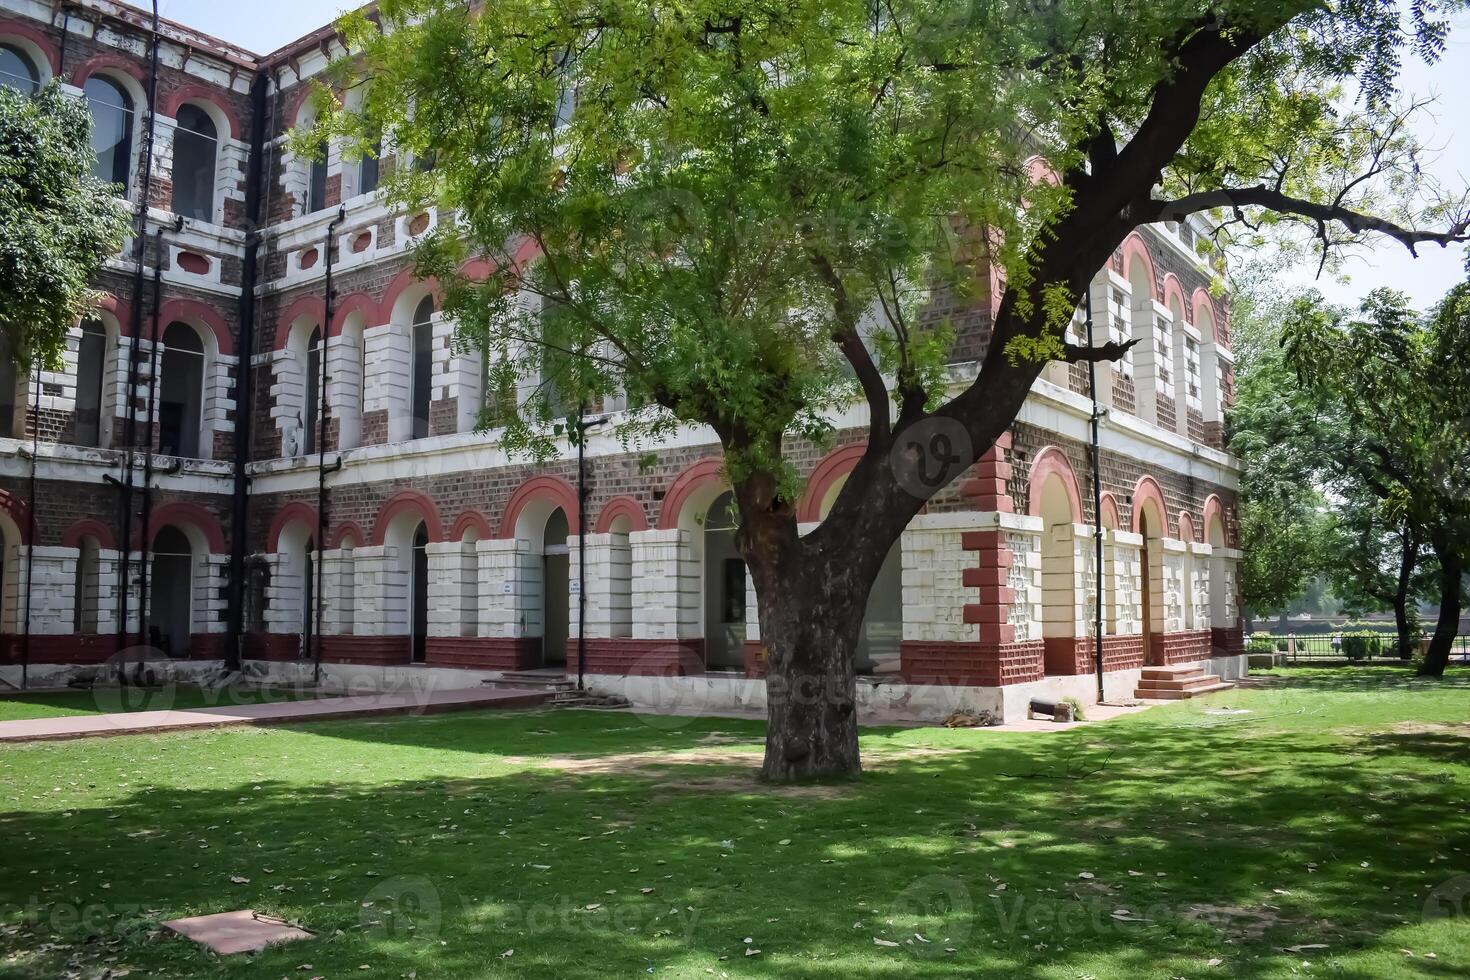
(33, 53)
(468, 571)
(1059, 593)
(12, 574)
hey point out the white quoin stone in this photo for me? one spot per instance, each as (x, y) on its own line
(666, 586)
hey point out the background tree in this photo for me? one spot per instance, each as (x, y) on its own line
(1396, 386)
(1378, 559)
(752, 202)
(60, 222)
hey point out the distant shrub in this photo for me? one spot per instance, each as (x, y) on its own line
(1259, 643)
(1360, 644)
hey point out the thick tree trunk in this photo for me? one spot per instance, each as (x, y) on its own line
(1450, 603)
(1405, 627)
(810, 630)
(1408, 556)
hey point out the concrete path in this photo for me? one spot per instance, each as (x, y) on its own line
(277, 713)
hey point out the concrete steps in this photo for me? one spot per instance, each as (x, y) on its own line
(1177, 683)
(560, 690)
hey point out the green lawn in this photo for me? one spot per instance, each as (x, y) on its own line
(575, 844)
(53, 704)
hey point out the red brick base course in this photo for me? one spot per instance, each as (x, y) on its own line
(275, 647)
(484, 652)
(1228, 642)
(1068, 657)
(75, 648)
(627, 657)
(378, 651)
(755, 659)
(971, 664)
(1183, 648)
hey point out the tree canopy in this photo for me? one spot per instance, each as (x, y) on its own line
(743, 210)
(61, 223)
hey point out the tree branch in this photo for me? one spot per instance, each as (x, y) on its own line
(1261, 196)
(1111, 351)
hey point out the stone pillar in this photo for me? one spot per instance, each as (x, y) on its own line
(288, 392)
(338, 592)
(1174, 587)
(448, 614)
(666, 583)
(605, 602)
(506, 576)
(380, 588)
(52, 590)
(387, 387)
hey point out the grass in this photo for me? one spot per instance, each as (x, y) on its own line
(58, 704)
(1305, 837)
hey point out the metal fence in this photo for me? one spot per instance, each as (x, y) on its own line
(1305, 648)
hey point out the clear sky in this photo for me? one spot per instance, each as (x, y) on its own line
(264, 25)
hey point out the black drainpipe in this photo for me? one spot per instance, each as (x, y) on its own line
(315, 640)
(1097, 526)
(153, 394)
(245, 379)
(140, 246)
(25, 639)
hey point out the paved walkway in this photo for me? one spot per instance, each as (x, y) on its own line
(276, 713)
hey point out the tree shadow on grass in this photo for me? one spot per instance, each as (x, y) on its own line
(435, 846)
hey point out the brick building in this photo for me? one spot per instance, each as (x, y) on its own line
(438, 549)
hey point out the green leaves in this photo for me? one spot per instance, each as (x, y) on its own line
(61, 223)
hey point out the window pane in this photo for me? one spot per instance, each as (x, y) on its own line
(316, 196)
(367, 174)
(423, 368)
(91, 360)
(16, 70)
(112, 130)
(195, 147)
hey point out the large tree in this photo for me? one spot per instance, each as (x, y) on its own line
(754, 200)
(60, 223)
(1396, 387)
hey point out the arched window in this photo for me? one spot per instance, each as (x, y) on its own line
(91, 365)
(88, 586)
(17, 71)
(181, 392)
(311, 417)
(112, 130)
(196, 147)
(423, 366)
(171, 610)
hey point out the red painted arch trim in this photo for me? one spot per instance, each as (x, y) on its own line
(1148, 489)
(1174, 289)
(309, 305)
(1051, 461)
(200, 93)
(347, 530)
(1186, 526)
(1215, 509)
(295, 511)
(833, 467)
(15, 28)
(356, 303)
(119, 311)
(1202, 301)
(188, 310)
(19, 513)
(187, 515)
(108, 60)
(1135, 249)
(89, 527)
(402, 283)
(623, 506)
(553, 488)
(1110, 510)
(701, 474)
(471, 520)
(406, 502)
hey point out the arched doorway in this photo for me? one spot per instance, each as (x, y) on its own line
(1058, 577)
(171, 613)
(555, 576)
(724, 587)
(419, 590)
(1151, 579)
(181, 392)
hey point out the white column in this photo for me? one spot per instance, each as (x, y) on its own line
(338, 593)
(389, 369)
(380, 590)
(344, 388)
(1175, 561)
(446, 587)
(1127, 575)
(666, 586)
(211, 574)
(1200, 617)
(219, 372)
(52, 591)
(288, 392)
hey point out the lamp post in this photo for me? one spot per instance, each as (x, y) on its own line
(578, 429)
(1097, 527)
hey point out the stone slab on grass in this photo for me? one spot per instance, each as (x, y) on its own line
(244, 931)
